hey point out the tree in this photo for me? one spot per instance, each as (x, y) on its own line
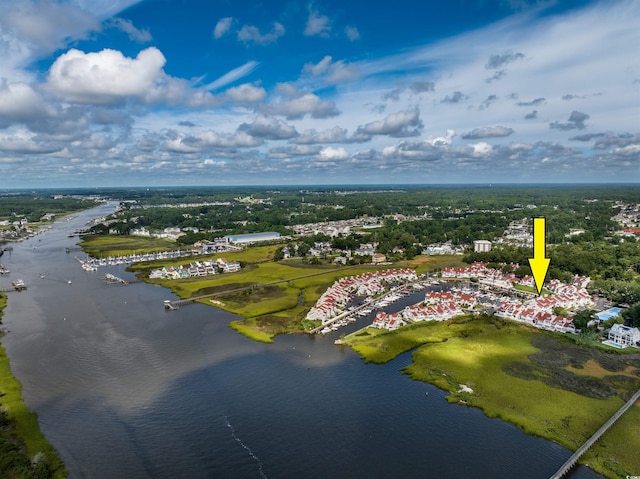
(279, 254)
(581, 318)
(631, 315)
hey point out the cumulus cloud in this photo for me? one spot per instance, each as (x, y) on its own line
(297, 150)
(251, 34)
(269, 128)
(333, 135)
(401, 124)
(126, 26)
(619, 140)
(44, 25)
(576, 121)
(246, 93)
(317, 24)
(501, 59)
(426, 150)
(298, 107)
(212, 139)
(23, 141)
(487, 132)
(481, 149)
(106, 76)
(330, 153)
(332, 72)
(19, 102)
(531, 116)
(222, 27)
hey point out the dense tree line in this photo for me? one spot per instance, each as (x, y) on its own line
(34, 208)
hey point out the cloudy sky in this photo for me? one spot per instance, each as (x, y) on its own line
(195, 92)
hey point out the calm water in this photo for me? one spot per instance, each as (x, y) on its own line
(124, 389)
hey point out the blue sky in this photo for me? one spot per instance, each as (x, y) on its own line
(194, 92)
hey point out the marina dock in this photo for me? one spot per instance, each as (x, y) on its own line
(17, 285)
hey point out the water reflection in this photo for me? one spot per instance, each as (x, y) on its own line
(125, 389)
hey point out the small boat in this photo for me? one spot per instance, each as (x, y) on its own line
(69, 282)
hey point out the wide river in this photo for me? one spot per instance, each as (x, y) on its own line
(124, 389)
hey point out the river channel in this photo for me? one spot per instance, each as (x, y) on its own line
(125, 389)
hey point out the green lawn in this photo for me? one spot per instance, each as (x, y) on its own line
(481, 353)
(101, 246)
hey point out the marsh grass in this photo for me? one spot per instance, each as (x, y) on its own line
(488, 355)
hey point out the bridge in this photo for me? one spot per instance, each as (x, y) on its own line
(566, 467)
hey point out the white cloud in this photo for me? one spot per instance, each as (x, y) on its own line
(211, 139)
(333, 135)
(106, 76)
(317, 24)
(233, 75)
(126, 26)
(19, 102)
(306, 104)
(330, 153)
(481, 149)
(487, 132)
(23, 141)
(251, 34)
(222, 27)
(352, 33)
(269, 128)
(246, 93)
(332, 72)
(297, 150)
(44, 25)
(400, 124)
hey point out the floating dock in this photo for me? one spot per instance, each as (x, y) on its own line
(18, 285)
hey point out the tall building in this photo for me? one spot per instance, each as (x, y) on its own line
(481, 246)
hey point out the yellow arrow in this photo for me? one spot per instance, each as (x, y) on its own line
(539, 263)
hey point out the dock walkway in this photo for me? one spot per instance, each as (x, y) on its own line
(566, 467)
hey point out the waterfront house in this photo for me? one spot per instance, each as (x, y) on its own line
(624, 335)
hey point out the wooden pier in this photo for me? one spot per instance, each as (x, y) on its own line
(566, 467)
(173, 305)
(17, 285)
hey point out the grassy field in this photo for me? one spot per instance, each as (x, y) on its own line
(20, 436)
(101, 246)
(525, 376)
(269, 309)
(423, 264)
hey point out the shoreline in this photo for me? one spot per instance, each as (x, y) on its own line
(31, 449)
(557, 426)
(465, 356)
